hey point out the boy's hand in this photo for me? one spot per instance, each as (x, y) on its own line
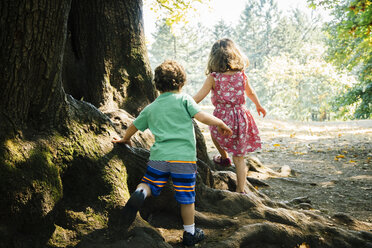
(261, 110)
(224, 130)
(116, 140)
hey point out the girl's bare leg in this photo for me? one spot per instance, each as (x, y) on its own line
(219, 148)
(241, 173)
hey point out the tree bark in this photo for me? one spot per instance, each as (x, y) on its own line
(106, 60)
(32, 43)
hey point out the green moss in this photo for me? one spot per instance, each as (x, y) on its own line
(92, 178)
(35, 169)
(115, 173)
(86, 221)
(62, 238)
(15, 149)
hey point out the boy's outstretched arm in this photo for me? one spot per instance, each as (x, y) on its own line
(128, 134)
(203, 92)
(211, 120)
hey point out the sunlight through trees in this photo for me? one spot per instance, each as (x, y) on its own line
(298, 63)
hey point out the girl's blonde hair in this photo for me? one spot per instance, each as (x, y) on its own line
(226, 56)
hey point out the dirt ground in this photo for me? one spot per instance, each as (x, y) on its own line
(330, 163)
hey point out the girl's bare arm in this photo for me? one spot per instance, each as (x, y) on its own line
(205, 89)
(253, 97)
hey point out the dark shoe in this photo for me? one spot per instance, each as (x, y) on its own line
(131, 208)
(226, 162)
(189, 239)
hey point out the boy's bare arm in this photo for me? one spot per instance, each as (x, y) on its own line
(128, 134)
(211, 120)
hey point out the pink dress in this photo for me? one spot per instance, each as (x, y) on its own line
(228, 97)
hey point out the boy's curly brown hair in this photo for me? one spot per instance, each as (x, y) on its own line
(169, 76)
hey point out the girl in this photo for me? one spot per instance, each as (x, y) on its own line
(228, 82)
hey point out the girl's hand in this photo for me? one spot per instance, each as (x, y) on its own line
(261, 110)
(224, 130)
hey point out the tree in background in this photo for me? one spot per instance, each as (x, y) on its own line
(196, 45)
(255, 30)
(295, 30)
(350, 47)
(300, 90)
(284, 77)
(221, 30)
(164, 45)
(188, 44)
(267, 37)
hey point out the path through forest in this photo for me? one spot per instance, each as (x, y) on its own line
(330, 163)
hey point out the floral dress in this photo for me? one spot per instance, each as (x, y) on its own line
(228, 96)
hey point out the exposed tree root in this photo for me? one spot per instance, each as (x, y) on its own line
(97, 178)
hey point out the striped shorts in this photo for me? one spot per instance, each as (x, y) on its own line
(183, 175)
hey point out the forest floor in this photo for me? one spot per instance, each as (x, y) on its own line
(330, 163)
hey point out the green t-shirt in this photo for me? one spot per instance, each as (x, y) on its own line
(169, 120)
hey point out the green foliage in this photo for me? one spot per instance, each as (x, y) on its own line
(256, 30)
(174, 12)
(190, 48)
(288, 69)
(164, 45)
(222, 30)
(350, 46)
(300, 88)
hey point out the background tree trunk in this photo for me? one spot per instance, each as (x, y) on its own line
(106, 60)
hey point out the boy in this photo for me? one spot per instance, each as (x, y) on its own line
(173, 154)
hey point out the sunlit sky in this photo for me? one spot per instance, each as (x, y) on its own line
(229, 11)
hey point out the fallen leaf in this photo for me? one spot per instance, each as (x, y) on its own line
(352, 161)
(340, 156)
(276, 145)
(299, 153)
(304, 245)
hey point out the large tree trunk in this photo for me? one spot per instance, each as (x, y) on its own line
(106, 60)
(56, 165)
(32, 41)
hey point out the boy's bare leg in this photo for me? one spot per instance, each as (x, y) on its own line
(191, 235)
(188, 213)
(219, 148)
(241, 173)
